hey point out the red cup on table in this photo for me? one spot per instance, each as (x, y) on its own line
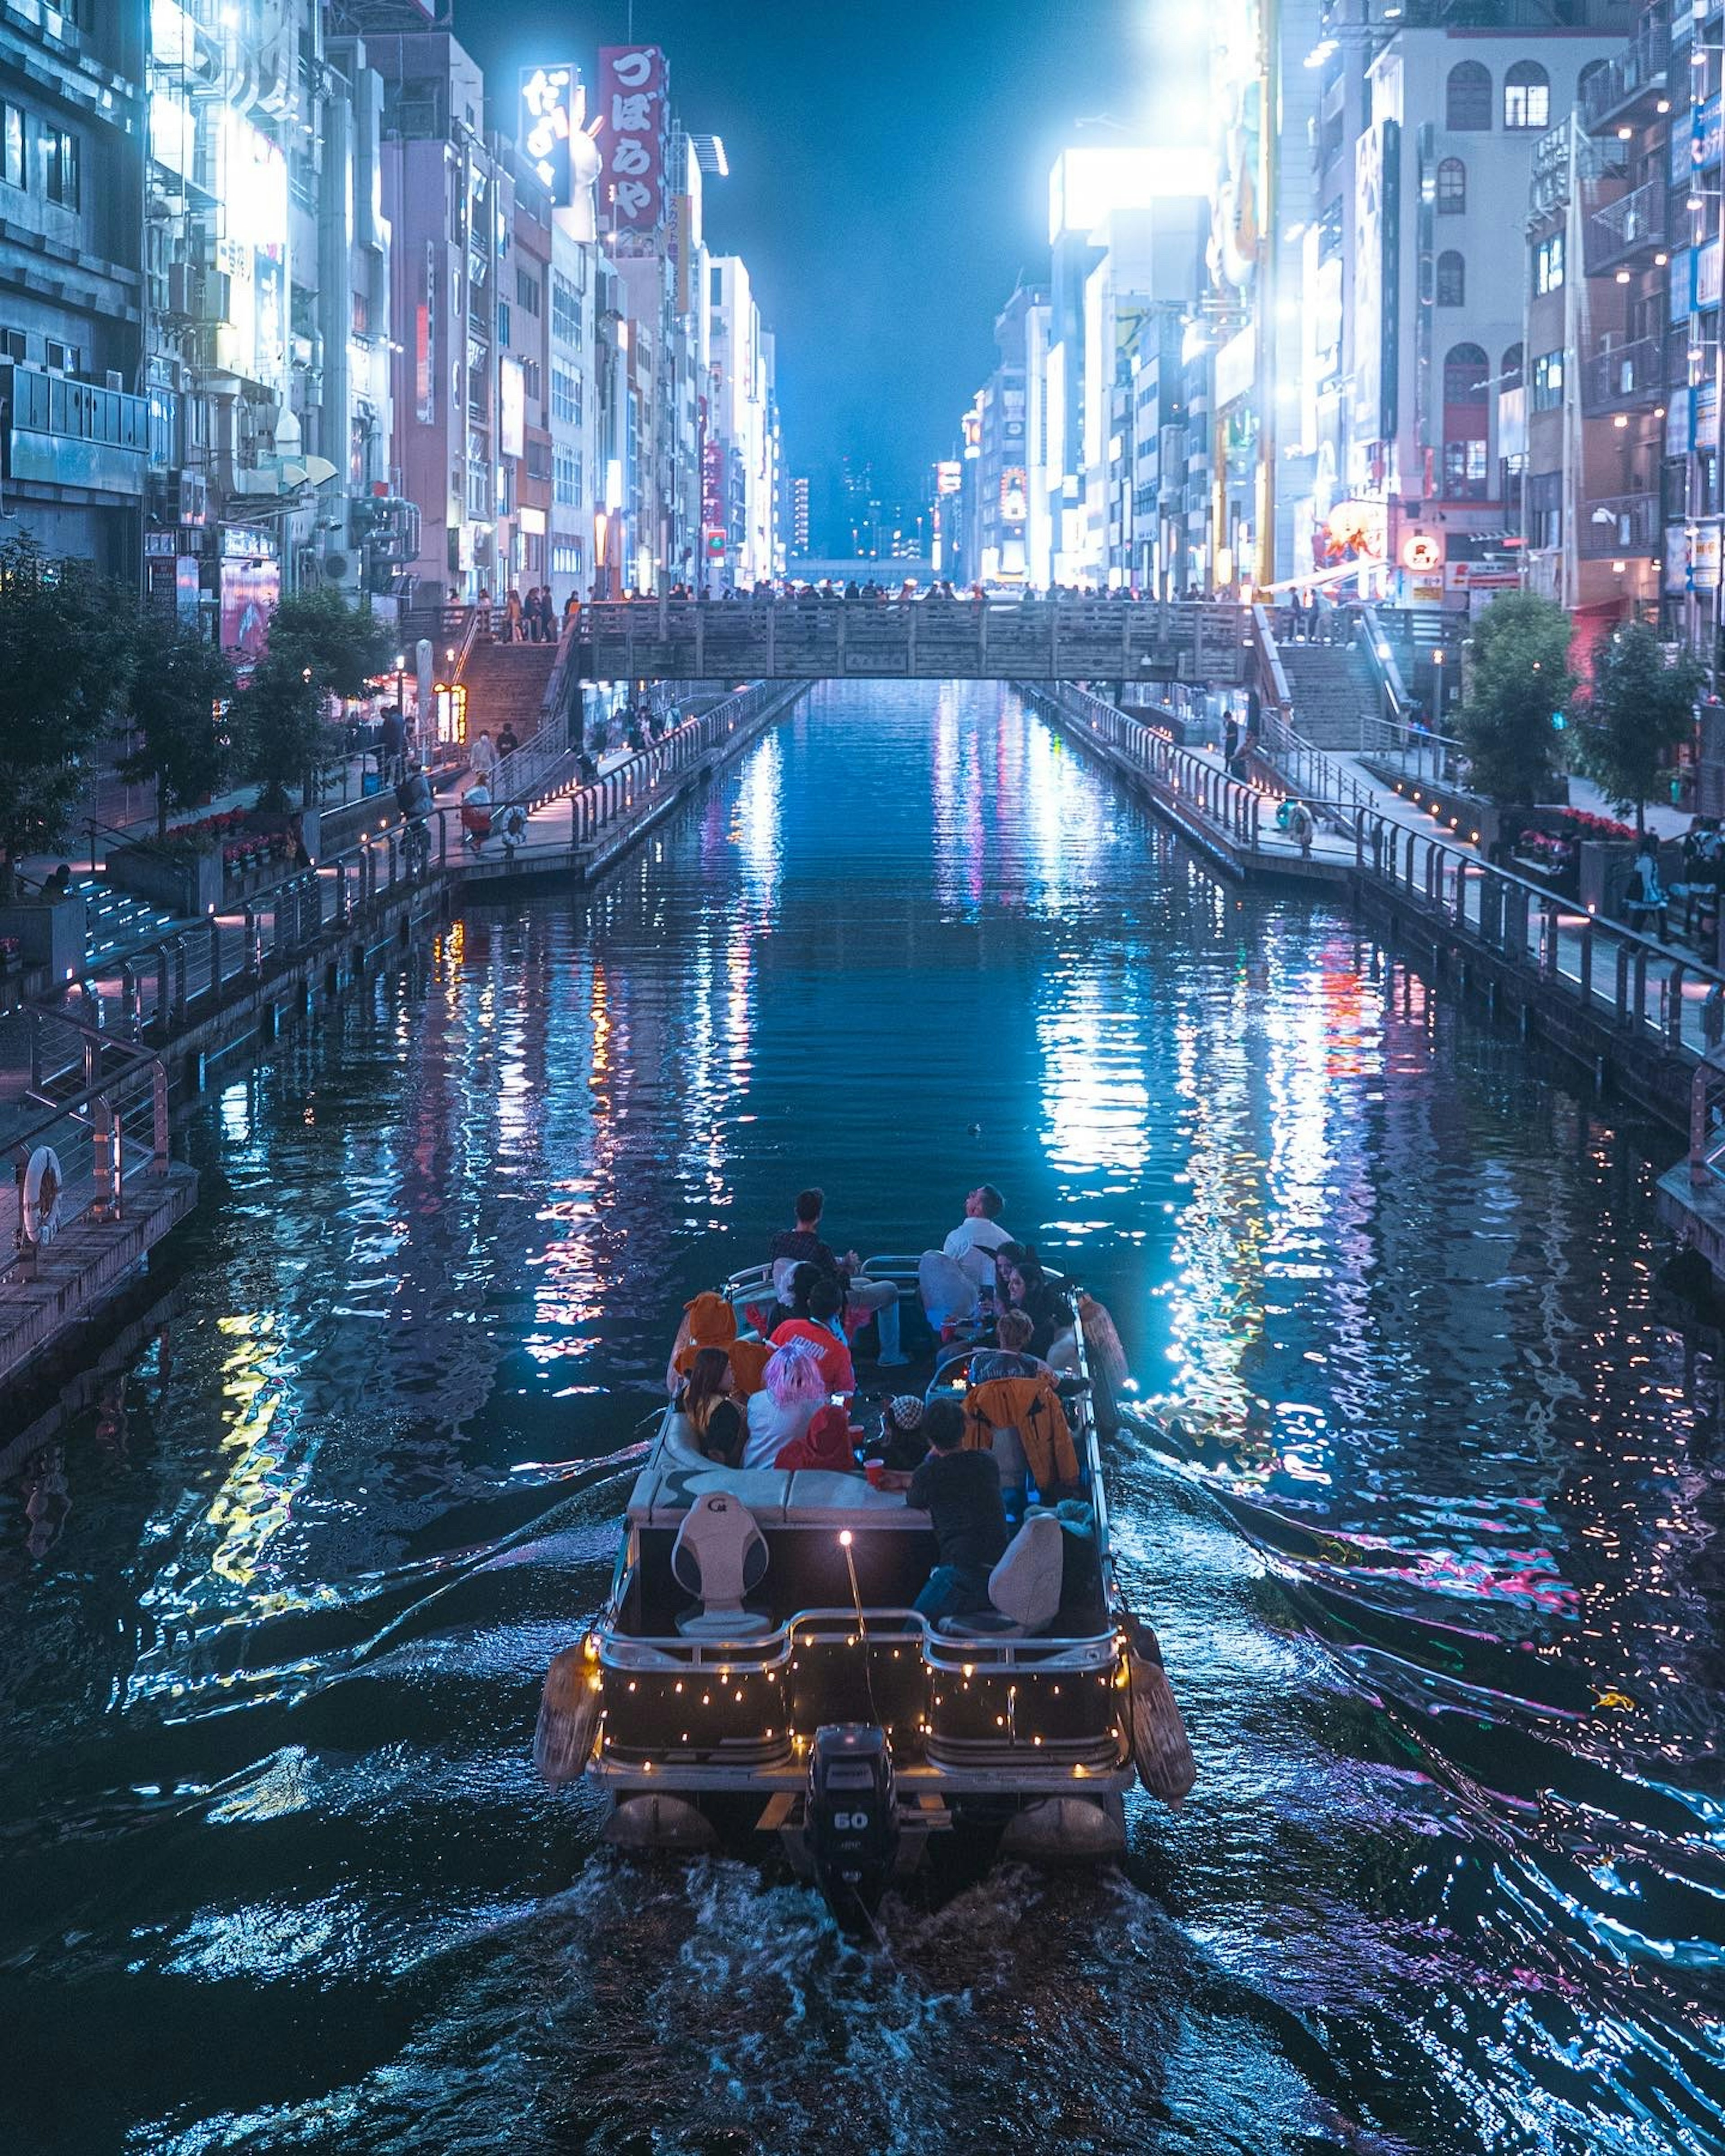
(873, 1469)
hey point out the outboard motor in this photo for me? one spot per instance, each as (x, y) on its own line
(851, 1818)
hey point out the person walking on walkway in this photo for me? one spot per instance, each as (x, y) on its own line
(485, 615)
(482, 756)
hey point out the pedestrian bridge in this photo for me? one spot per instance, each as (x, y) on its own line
(811, 639)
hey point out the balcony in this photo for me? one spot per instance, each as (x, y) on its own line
(1638, 72)
(1632, 226)
(1629, 378)
(1619, 523)
(57, 432)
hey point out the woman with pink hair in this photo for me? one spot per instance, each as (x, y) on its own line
(783, 1409)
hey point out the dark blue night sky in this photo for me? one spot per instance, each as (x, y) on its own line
(889, 179)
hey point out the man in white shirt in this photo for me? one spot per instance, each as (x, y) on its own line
(974, 1241)
(952, 1277)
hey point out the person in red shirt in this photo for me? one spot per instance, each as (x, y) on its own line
(817, 1300)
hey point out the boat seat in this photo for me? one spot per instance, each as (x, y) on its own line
(820, 1496)
(1024, 1587)
(721, 1555)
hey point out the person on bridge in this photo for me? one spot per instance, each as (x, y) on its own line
(507, 744)
(485, 615)
(482, 756)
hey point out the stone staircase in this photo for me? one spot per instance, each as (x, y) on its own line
(1333, 692)
(506, 685)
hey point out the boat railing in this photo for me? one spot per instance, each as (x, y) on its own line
(626, 1651)
(966, 1658)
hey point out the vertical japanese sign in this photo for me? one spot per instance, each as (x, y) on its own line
(634, 123)
(550, 115)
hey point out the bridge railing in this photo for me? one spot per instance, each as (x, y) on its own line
(929, 636)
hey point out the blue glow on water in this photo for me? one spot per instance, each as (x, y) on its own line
(1436, 1581)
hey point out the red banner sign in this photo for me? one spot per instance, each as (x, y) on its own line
(633, 126)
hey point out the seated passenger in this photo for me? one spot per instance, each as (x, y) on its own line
(903, 1445)
(824, 1445)
(815, 1298)
(864, 1299)
(1023, 1285)
(973, 1242)
(786, 1405)
(1010, 1356)
(960, 1491)
(706, 1399)
(955, 1279)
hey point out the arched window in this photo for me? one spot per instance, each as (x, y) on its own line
(1513, 364)
(1466, 422)
(1468, 104)
(1527, 95)
(1585, 80)
(1452, 280)
(1451, 188)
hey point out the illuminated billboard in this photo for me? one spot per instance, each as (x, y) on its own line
(633, 127)
(550, 113)
(511, 408)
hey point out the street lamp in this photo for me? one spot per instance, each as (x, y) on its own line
(600, 560)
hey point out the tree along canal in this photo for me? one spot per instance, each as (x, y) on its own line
(1438, 1590)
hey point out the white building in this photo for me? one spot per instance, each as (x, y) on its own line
(742, 442)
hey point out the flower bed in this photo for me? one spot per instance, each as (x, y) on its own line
(253, 850)
(1578, 823)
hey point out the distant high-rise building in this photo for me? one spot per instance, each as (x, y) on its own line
(800, 517)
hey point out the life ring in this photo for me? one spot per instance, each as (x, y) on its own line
(43, 1182)
(1161, 1750)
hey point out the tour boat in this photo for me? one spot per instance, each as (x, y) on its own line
(757, 1670)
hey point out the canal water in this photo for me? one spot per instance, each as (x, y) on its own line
(1438, 1583)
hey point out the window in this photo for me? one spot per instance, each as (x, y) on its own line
(1527, 95)
(59, 148)
(566, 557)
(1468, 98)
(1451, 279)
(526, 291)
(1549, 381)
(1549, 263)
(531, 388)
(566, 477)
(1585, 80)
(1465, 470)
(11, 146)
(1464, 369)
(503, 323)
(565, 396)
(565, 310)
(1512, 378)
(1451, 188)
(64, 357)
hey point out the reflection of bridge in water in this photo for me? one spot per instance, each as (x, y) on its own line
(929, 639)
